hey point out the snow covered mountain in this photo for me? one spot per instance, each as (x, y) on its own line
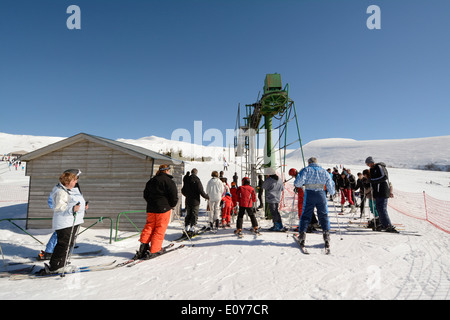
(400, 153)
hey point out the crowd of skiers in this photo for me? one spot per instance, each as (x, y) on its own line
(312, 184)
(223, 200)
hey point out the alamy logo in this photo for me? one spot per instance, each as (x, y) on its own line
(74, 20)
(374, 21)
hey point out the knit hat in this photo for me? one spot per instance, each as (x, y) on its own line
(76, 172)
(369, 160)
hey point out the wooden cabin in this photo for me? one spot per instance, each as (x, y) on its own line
(113, 177)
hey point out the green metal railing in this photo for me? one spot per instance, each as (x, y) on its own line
(99, 219)
(125, 214)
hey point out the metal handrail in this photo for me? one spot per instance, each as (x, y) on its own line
(99, 219)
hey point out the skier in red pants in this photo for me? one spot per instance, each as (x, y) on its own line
(226, 209)
(161, 195)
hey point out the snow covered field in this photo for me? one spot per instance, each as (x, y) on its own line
(363, 265)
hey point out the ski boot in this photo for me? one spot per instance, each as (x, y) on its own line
(278, 226)
(255, 230)
(326, 238)
(43, 256)
(143, 252)
(302, 238)
(391, 229)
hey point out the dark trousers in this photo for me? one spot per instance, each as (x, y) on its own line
(58, 258)
(381, 205)
(191, 215)
(240, 219)
(314, 199)
(273, 207)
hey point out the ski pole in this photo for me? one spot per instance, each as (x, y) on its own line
(373, 210)
(75, 239)
(70, 240)
(183, 228)
(290, 217)
(3, 257)
(337, 219)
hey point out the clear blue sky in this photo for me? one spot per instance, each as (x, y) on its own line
(141, 68)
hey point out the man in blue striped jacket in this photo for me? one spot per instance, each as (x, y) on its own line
(314, 178)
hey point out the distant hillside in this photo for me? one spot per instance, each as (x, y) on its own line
(421, 153)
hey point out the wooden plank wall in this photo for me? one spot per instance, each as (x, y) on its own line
(111, 180)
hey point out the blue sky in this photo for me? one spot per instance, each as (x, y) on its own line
(141, 68)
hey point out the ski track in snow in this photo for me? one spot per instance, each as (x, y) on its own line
(364, 265)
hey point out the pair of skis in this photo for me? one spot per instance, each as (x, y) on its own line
(240, 235)
(303, 248)
(165, 250)
(25, 274)
(184, 236)
(99, 267)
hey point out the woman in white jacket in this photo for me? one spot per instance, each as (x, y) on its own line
(68, 212)
(214, 189)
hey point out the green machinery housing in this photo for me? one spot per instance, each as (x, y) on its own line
(278, 111)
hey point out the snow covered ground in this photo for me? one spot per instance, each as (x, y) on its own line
(363, 265)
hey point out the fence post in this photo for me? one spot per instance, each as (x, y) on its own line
(425, 202)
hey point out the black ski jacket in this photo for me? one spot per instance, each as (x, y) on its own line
(192, 190)
(161, 193)
(379, 179)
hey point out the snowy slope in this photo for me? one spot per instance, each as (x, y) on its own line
(364, 265)
(13, 142)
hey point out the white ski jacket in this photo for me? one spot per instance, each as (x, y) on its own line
(215, 189)
(63, 202)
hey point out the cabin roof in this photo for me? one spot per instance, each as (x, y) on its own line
(130, 149)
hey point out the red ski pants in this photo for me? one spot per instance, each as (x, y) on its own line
(155, 229)
(346, 193)
(226, 215)
(301, 195)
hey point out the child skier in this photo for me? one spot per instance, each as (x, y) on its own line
(346, 192)
(226, 209)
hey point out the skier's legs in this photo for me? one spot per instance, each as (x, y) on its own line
(157, 237)
(252, 217)
(215, 209)
(59, 254)
(51, 243)
(381, 205)
(273, 207)
(240, 217)
(150, 225)
(308, 211)
(322, 209)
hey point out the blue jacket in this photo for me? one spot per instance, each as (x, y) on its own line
(315, 175)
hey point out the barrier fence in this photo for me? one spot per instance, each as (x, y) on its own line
(415, 205)
(423, 207)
